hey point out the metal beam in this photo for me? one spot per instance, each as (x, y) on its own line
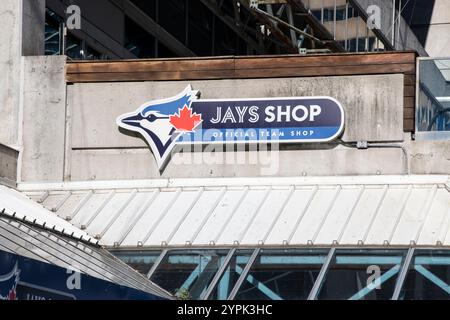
(232, 24)
(218, 274)
(244, 274)
(260, 286)
(318, 283)
(149, 25)
(277, 33)
(403, 273)
(287, 25)
(316, 25)
(92, 34)
(157, 263)
(433, 278)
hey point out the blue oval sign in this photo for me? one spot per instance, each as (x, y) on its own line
(185, 119)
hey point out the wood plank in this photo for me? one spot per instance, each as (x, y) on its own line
(410, 80)
(324, 60)
(150, 66)
(409, 102)
(240, 62)
(237, 74)
(409, 125)
(409, 91)
(409, 113)
(150, 76)
(324, 71)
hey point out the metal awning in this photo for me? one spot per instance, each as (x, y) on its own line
(30, 231)
(322, 211)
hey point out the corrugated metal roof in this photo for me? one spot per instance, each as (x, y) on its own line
(32, 242)
(17, 205)
(29, 230)
(395, 210)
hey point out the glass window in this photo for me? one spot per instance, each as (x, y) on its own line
(433, 105)
(428, 277)
(351, 13)
(361, 44)
(74, 48)
(317, 14)
(282, 274)
(188, 273)
(362, 275)
(328, 14)
(141, 261)
(351, 45)
(138, 41)
(52, 33)
(231, 274)
(340, 13)
(92, 54)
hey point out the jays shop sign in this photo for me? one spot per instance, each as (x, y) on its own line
(186, 119)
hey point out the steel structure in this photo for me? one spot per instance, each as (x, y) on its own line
(236, 27)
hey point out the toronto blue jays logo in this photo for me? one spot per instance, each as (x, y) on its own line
(186, 119)
(8, 284)
(161, 122)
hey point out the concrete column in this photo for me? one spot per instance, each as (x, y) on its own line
(10, 60)
(22, 25)
(33, 30)
(22, 33)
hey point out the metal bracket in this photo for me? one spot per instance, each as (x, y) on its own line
(362, 145)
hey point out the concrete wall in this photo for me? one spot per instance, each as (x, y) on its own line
(10, 59)
(33, 19)
(373, 106)
(44, 116)
(74, 137)
(430, 157)
(8, 166)
(22, 33)
(434, 28)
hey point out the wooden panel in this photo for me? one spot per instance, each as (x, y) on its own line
(146, 66)
(324, 60)
(324, 71)
(410, 91)
(243, 67)
(409, 125)
(408, 102)
(151, 76)
(409, 113)
(410, 80)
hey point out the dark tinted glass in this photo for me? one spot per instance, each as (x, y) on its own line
(362, 275)
(282, 274)
(188, 273)
(428, 277)
(141, 261)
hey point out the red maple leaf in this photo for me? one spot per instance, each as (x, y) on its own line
(185, 121)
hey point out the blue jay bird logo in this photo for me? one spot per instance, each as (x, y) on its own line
(162, 122)
(8, 284)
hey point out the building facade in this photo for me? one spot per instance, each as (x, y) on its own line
(362, 215)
